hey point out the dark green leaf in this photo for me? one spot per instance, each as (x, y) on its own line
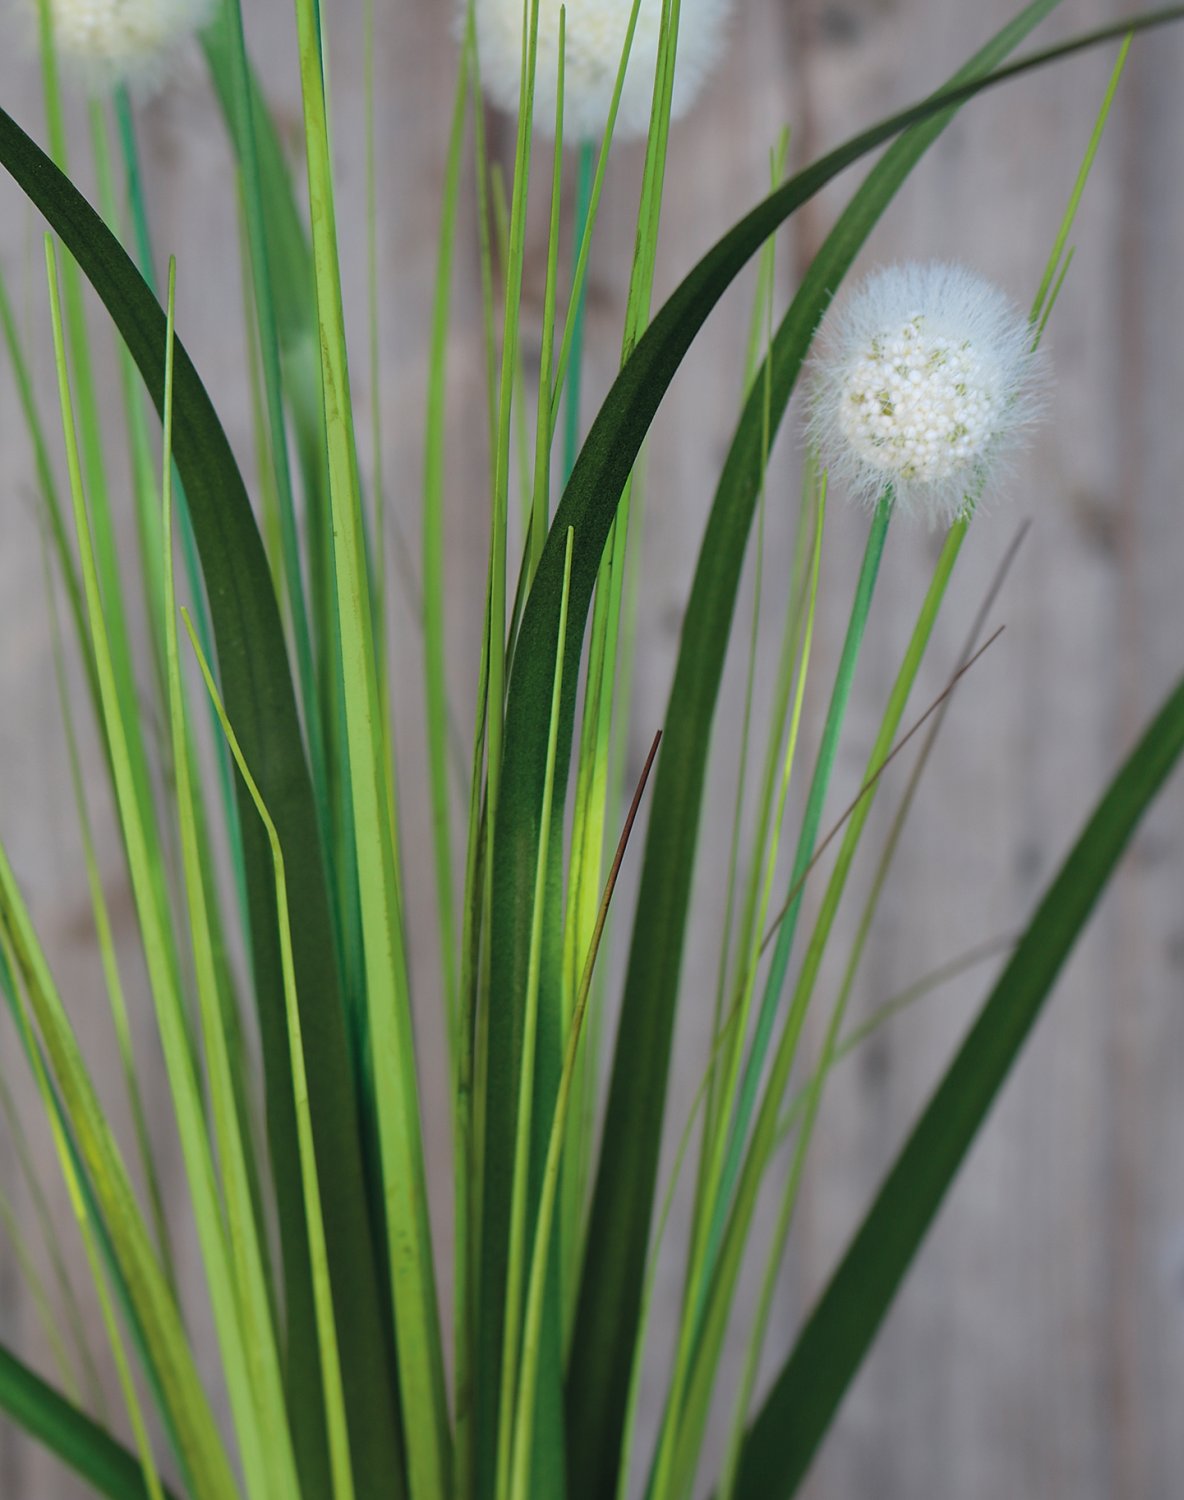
(257, 687)
(79, 1442)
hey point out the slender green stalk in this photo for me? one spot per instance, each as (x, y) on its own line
(434, 581)
(516, 1415)
(481, 176)
(43, 1310)
(271, 527)
(51, 1245)
(273, 388)
(701, 1253)
(410, 1261)
(143, 241)
(161, 959)
(498, 1105)
(760, 339)
(378, 505)
(514, 260)
(47, 484)
(811, 820)
(1054, 266)
(53, 1102)
(91, 445)
(110, 964)
(540, 1254)
(472, 1008)
(804, 1110)
(143, 476)
(261, 1353)
(640, 1347)
(577, 310)
(334, 1394)
(540, 509)
(13, 962)
(468, 1142)
(725, 1272)
(573, 327)
(590, 815)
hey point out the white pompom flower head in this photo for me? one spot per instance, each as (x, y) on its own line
(107, 43)
(924, 382)
(595, 40)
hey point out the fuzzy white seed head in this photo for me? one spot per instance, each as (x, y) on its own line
(112, 42)
(924, 381)
(595, 40)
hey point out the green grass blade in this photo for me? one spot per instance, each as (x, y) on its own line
(143, 242)
(83, 1209)
(334, 1392)
(50, 1240)
(82, 1444)
(257, 687)
(198, 1440)
(724, 1273)
(803, 1113)
(577, 312)
(284, 304)
(140, 461)
(76, 1172)
(115, 992)
(472, 1012)
(269, 1439)
(785, 1436)
(723, 1180)
(760, 336)
(1046, 295)
(91, 440)
(730, 1036)
(33, 1286)
(289, 260)
(517, 1410)
(592, 788)
(591, 184)
(160, 955)
(524, 1481)
(540, 506)
(49, 494)
(434, 582)
(254, 202)
(503, 1026)
(410, 1262)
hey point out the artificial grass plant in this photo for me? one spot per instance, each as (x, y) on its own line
(333, 1357)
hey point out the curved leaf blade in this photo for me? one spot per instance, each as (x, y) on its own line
(785, 1436)
(57, 1423)
(257, 686)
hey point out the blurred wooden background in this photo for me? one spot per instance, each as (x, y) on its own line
(1038, 1347)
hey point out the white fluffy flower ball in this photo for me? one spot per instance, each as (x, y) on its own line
(595, 40)
(924, 380)
(110, 42)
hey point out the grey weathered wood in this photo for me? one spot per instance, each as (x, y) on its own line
(1038, 1349)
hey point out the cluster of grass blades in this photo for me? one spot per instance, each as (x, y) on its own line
(332, 1361)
